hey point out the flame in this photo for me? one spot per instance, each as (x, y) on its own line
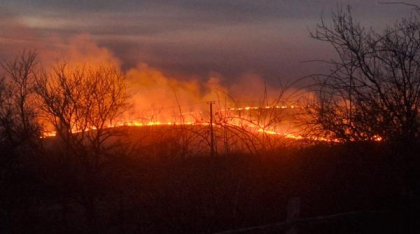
(287, 135)
(247, 108)
(129, 123)
(250, 126)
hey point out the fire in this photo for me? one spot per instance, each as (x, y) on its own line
(247, 108)
(377, 138)
(247, 124)
(129, 123)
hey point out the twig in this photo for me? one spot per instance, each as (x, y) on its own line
(402, 3)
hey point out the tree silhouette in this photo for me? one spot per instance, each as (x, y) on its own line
(373, 89)
(18, 125)
(80, 103)
(19, 136)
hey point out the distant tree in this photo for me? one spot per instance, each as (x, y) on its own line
(373, 89)
(80, 103)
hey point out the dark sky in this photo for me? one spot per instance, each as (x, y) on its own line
(187, 38)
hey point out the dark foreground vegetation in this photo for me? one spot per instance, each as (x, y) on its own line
(159, 194)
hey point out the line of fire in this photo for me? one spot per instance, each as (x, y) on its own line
(235, 128)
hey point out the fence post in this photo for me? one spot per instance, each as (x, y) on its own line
(293, 212)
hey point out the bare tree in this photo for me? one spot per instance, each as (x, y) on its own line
(18, 125)
(373, 89)
(19, 136)
(80, 103)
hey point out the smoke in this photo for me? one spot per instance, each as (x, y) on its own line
(155, 94)
(20, 34)
(78, 50)
(13, 36)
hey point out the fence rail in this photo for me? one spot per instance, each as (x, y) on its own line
(288, 225)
